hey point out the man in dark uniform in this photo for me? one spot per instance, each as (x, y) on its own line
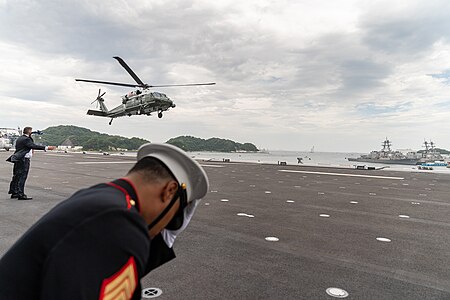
(21, 159)
(102, 240)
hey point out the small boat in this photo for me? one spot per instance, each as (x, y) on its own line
(436, 164)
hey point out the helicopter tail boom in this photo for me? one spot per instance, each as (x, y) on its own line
(97, 113)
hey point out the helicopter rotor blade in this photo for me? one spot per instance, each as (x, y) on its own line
(187, 84)
(128, 69)
(111, 83)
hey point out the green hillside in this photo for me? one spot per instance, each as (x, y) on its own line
(89, 140)
(69, 135)
(190, 143)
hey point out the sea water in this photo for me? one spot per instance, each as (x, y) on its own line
(325, 159)
(275, 157)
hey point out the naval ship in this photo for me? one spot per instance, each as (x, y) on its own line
(387, 156)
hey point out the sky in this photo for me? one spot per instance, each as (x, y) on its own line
(337, 75)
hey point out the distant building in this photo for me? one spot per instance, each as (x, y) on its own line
(69, 148)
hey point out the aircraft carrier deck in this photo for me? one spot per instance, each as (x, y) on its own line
(277, 232)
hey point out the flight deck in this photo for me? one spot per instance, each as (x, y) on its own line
(276, 231)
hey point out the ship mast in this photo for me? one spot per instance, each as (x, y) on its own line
(386, 145)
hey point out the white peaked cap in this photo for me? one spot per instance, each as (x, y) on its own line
(185, 169)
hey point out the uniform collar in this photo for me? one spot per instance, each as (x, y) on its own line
(128, 186)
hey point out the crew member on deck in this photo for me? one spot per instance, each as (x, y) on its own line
(21, 159)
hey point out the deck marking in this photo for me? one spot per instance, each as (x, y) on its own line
(324, 215)
(151, 293)
(272, 239)
(212, 166)
(245, 215)
(343, 174)
(224, 200)
(382, 239)
(290, 201)
(354, 202)
(268, 192)
(403, 216)
(337, 292)
(104, 162)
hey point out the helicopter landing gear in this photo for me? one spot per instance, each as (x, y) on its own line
(110, 122)
(160, 115)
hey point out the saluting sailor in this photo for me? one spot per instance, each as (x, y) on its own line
(101, 241)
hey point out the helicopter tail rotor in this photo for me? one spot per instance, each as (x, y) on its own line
(100, 102)
(99, 98)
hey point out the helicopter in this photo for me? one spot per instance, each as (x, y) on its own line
(137, 102)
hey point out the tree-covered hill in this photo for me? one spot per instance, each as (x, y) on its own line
(190, 143)
(89, 140)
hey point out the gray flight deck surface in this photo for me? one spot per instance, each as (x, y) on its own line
(327, 231)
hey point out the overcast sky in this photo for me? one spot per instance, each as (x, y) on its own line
(337, 75)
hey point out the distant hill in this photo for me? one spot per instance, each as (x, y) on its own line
(190, 143)
(90, 140)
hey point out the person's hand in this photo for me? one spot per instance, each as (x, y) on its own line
(169, 236)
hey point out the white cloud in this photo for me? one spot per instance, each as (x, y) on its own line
(338, 75)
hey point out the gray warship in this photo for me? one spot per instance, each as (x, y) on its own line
(388, 156)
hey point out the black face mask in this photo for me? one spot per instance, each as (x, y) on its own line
(178, 218)
(159, 254)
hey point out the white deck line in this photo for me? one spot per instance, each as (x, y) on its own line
(104, 162)
(212, 166)
(343, 174)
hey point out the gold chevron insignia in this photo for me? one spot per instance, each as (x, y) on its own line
(122, 284)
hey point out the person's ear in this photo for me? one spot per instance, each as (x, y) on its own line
(170, 190)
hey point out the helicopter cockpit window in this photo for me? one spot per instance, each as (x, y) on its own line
(156, 95)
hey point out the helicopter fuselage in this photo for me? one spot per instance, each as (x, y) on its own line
(136, 103)
(141, 103)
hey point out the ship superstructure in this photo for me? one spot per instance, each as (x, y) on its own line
(388, 156)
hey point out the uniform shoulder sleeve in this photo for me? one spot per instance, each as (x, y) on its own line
(106, 254)
(30, 144)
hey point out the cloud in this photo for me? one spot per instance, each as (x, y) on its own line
(288, 73)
